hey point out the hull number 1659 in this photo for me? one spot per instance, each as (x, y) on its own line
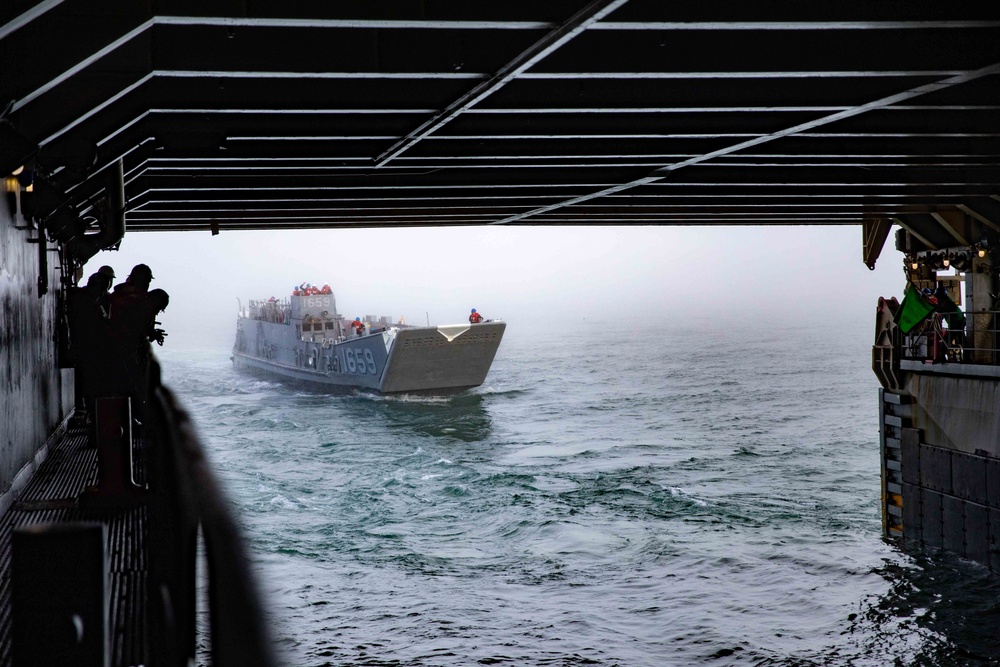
(360, 362)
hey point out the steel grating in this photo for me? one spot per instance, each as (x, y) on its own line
(51, 497)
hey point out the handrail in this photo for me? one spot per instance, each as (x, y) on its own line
(977, 343)
(184, 497)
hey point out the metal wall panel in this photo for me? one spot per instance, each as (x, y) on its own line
(977, 534)
(994, 531)
(935, 469)
(993, 483)
(910, 446)
(953, 524)
(35, 395)
(930, 518)
(968, 477)
(912, 529)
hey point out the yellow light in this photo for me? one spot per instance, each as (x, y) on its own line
(915, 266)
(10, 184)
(30, 188)
(982, 252)
(17, 171)
(947, 262)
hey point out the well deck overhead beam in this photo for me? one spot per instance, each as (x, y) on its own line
(619, 101)
(979, 216)
(528, 58)
(27, 17)
(803, 127)
(950, 228)
(251, 22)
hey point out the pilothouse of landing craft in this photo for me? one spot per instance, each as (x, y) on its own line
(303, 338)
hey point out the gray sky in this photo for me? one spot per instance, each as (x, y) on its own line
(528, 276)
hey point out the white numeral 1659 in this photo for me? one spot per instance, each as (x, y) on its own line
(358, 362)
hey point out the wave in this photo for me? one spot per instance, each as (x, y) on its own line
(601, 500)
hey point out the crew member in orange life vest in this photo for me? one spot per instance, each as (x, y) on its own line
(475, 318)
(359, 326)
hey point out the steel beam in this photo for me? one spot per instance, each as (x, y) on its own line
(803, 127)
(952, 223)
(576, 24)
(874, 233)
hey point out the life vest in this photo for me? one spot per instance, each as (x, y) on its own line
(475, 318)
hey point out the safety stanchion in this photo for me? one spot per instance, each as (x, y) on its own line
(113, 431)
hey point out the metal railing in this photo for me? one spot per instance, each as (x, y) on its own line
(184, 496)
(975, 343)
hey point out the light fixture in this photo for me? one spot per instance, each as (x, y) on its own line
(915, 265)
(10, 187)
(982, 252)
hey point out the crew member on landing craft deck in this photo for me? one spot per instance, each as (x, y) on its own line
(474, 317)
(359, 326)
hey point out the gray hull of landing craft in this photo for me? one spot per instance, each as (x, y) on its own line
(441, 359)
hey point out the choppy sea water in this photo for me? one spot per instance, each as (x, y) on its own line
(697, 495)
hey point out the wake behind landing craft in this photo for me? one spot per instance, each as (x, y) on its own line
(303, 338)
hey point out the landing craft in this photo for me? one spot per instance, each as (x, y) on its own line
(303, 338)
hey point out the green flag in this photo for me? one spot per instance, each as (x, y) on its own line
(913, 310)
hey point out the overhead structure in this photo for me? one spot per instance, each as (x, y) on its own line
(265, 115)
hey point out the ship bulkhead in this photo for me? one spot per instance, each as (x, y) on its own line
(937, 357)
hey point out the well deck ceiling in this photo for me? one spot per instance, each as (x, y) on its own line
(266, 115)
